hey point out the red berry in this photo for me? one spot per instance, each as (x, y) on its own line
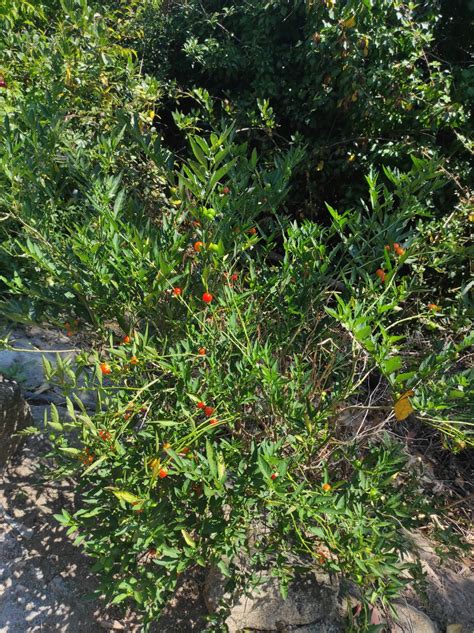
(234, 277)
(207, 297)
(163, 473)
(202, 351)
(225, 190)
(200, 405)
(208, 411)
(177, 292)
(273, 476)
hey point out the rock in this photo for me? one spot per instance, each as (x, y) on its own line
(449, 586)
(318, 627)
(454, 628)
(312, 600)
(411, 620)
(14, 416)
(24, 363)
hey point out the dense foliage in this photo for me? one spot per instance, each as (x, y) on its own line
(258, 217)
(360, 83)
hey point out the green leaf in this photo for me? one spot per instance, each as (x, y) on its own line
(211, 459)
(197, 151)
(120, 598)
(188, 538)
(391, 364)
(221, 470)
(69, 450)
(124, 495)
(220, 173)
(95, 464)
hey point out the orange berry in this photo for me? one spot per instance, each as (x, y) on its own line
(166, 445)
(134, 360)
(396, 246)
(202, 351)
(433, 307)
(322, 558)
(213, 421)
(198, 246)
(400, 251)
(163, 473)
(326, 487)
(252, 231)
(177, 292)
(380, 274)
(387, 247)
(126, 339)
(105, 369)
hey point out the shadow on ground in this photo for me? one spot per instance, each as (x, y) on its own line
(44, 579)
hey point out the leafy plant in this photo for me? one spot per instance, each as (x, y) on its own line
(270, 269)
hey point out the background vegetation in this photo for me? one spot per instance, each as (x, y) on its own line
(256, 216)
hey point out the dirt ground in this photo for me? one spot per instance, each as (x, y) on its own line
(44, 579)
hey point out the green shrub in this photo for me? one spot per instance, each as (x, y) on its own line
(280, 354)
(183, 254)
